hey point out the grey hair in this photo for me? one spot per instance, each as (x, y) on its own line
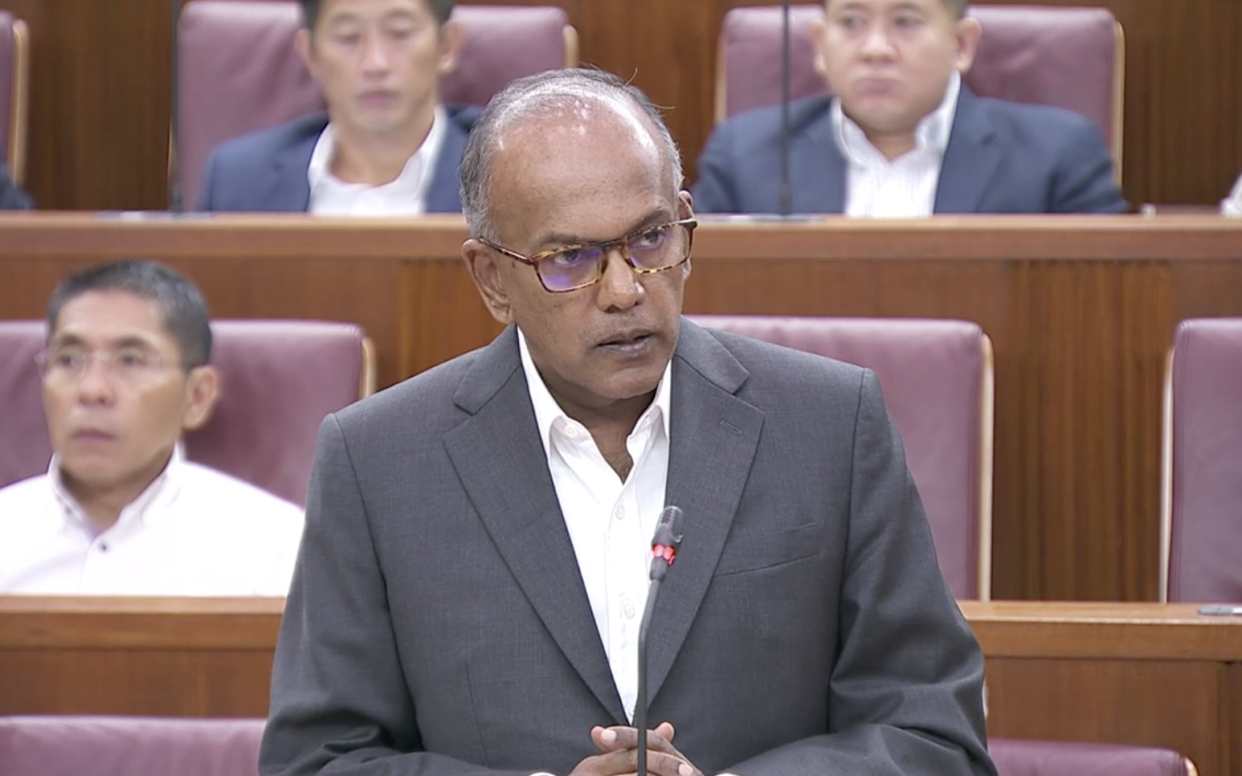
(543, 94)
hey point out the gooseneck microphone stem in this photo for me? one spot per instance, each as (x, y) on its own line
(786, 203)
(663, 552)
(174, 162)
(640, 705)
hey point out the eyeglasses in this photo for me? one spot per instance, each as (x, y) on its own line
(64, 366)
(647, 251)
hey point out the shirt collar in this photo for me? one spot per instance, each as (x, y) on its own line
(549, 415)
(415, 176)
(931, 134)
(148, 508)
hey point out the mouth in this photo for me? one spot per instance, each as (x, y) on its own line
(628, 343)
(377, 98)
(91, 435)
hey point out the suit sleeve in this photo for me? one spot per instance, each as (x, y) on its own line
(714, 188)
(1085, 180)
(906, 692)
(206, 188)
(339, 703)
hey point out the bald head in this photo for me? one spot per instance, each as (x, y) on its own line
(551, 115)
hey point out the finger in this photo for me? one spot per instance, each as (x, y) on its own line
(665, 764)
(617, 738)
(618, 763)
(666, 731)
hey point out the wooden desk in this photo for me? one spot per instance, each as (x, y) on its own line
(1128, 673)
(1152, 674)
(1081, 311)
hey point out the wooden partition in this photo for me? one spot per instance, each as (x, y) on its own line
(1081, 311)
(1147, 674)
(101, 89)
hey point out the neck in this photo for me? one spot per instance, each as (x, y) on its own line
(103, 504)
(892, 145)
(374, 160)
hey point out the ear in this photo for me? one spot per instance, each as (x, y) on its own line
(685, 209)
(817, 31)
(305, 48)
(450, 47)
(488, 277)
(969, 31)
(202, 391)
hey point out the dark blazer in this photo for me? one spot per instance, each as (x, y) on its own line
(1002, 157)
(437, 622)
(265, 171)
(11, 197)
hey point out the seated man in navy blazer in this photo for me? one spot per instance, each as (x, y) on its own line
(904, 137)
(385, 146)
(11, 197)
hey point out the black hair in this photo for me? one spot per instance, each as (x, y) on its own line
(310, 11)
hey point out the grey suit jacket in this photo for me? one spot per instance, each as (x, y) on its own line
(1002, 157)
(437, 623)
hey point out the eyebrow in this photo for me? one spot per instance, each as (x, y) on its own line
(129, 341)
(560, 239)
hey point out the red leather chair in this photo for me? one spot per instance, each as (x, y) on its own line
(938, 384)
(133, 746)
(1201, 536)
(1015, 757)
(278, 381)
(14, 92)
(239, 71)
(129, 746)
(1072, 58)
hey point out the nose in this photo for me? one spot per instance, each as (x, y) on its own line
(375, 59)
(620, 287)
(95, 386)
(877, 44)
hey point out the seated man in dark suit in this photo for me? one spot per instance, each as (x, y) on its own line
(904, 137)
(474, 571)
(385, 146)
(11, 197)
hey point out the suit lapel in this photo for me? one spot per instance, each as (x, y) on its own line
(970, 160)
(289, 187)
(817, 180)
(713, 436)
(502, 465)
(444, 190)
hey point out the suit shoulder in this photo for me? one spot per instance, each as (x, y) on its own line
(1046, 124)
(263, 145)
(424, 401)
(775, 365)
(762, 126)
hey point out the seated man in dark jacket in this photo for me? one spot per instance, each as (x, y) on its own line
(904, 137)
(385, 146)
(11, 197)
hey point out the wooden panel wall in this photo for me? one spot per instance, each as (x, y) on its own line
(100, 89)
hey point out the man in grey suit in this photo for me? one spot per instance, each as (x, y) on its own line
(477, 537)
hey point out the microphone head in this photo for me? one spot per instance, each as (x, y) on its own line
(672, 519)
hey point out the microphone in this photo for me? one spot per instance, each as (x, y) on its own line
(786, 204)
(663, 552)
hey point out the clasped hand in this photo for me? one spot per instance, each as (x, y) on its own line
(618, 753)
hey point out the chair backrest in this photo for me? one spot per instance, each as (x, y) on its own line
(1014, 757)
(1201, 520)
(14, 92)
(278, 381)
(1072, 58)
(238, 71)
(125, 746)
(938, 382)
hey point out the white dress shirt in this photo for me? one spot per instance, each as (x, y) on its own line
(906, 186)
(1232, 205)
(610, 522)
(405, 196)
(193, 532)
